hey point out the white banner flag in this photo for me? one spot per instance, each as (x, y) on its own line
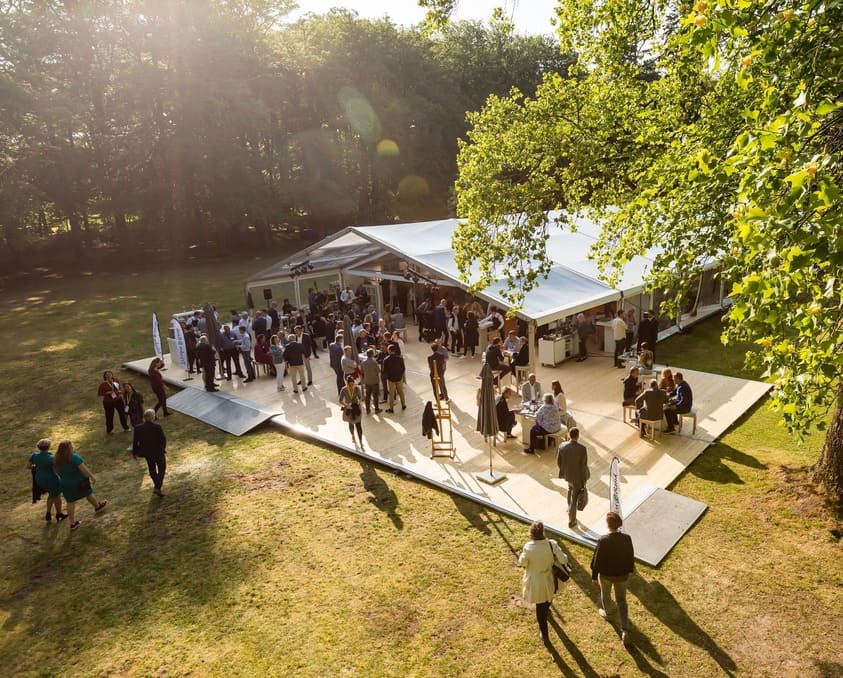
(180, 357)
(615, 486)
(156, 337)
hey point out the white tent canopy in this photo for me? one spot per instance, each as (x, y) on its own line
(385, 252)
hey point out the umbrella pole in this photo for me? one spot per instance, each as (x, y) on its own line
(489, 477)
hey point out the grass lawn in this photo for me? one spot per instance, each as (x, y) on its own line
(270, 556)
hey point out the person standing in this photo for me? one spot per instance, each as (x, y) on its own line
(229, 352)
(630, 328)
(274, 318)
(156, 383)
(134, 404)
(244, 343)
(455, 330)
(208, 360)
(371, 381)
(352, 413)
(612, 563)
(294, 354)
(648, 331)
(277, 351)
(77, 481)
(471, 334)
(151, 444)
(112, 401)
(538, 585)
(619, 332)
(335, 354)
(584, 330)
(572, 461)
(45, 479)
(393, 366)
(308, 348)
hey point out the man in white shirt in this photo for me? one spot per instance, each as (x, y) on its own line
(511, 342)
(531, 390)
(619, 331)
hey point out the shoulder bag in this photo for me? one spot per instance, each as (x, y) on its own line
(560, 572)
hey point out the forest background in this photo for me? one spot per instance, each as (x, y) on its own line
(212, 126)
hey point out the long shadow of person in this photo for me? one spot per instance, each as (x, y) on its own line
(584, 667)
(664, 607)
(382, 495)
(484, 521)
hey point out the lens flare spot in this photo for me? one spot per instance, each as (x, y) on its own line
(360, 114)
(387, 148)
(413, 186)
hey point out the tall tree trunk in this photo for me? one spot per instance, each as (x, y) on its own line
(829, 469)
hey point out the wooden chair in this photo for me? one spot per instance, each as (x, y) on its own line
(553, 440)
(521, 374)
(687, 415)
(651, 423)
(629, 414)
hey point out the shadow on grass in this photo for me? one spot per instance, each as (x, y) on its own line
(584, 668)
(383, 496)
(483, 520)
(664, 607)
(711, 465)
(829, 669)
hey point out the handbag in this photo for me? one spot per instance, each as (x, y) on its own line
(84, 484)
(560, 572)
(582, 499)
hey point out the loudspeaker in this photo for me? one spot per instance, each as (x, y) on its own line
(267, 293)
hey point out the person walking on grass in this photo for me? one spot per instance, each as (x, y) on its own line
(156, 383)
(538, 585)
(45, 480)
(151, 444)
(77, 481)
(112, 401)
(612, 563)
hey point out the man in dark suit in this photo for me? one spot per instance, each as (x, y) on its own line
(572, 460)
(683, 400)
(651, 404)
(335, 354)
(207, 358)
(648, 331)
(151, 444)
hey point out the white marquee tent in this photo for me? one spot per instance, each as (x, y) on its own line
(375, 253)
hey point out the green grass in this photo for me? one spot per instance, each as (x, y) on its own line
(271, 556)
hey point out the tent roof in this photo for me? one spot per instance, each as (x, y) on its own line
(572, 286)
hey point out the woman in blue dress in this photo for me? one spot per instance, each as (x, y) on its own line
(76, 481)
(46, 478)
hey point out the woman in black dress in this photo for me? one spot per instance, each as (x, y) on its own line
(134, 404)
(471, 333)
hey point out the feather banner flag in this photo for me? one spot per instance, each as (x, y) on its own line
(615, 486)
(181, 345)
(156, 337)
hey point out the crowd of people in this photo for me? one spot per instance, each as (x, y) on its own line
(366, 351)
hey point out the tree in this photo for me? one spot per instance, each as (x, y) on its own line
(724, 130)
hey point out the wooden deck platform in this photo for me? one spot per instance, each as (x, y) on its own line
(531, 489)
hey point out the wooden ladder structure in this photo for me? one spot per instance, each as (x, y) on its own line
(441, 444)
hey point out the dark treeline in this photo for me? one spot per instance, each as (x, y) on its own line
(169, 124)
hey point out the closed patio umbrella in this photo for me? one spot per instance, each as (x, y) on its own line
(212, 330)
(487, 421)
